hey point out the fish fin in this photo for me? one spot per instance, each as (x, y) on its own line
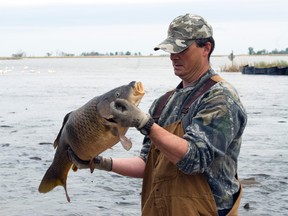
(74, 168)
(57, 173)
(56, 142)
(126, 143)
(66, 193)
(115, 131)
(92, 165)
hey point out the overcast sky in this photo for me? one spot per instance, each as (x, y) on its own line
(75, 26)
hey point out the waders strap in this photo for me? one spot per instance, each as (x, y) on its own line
(165, 98)
(162, 102)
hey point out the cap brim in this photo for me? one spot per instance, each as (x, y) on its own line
(172, 45)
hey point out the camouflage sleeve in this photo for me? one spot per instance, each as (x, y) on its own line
(211, 130)
(145, 148)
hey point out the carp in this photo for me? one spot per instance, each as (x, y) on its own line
(89, 131)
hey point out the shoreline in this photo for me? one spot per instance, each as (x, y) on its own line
(124, 56)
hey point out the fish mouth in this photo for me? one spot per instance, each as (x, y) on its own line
(110, 119)
(138, 89)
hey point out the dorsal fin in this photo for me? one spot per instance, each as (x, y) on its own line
(56, 142)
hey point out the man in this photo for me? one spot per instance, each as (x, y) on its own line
(189, 157)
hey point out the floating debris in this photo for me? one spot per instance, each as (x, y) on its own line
(35, 158)
(5, 145)
(6, 126)
(247, 206)
(249, 181)
(45, 143)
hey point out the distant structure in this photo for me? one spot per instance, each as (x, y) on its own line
(231, 57)
(264, 71)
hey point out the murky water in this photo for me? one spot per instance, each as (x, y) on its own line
(35, 94)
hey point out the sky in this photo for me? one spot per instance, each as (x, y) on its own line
(38, 27)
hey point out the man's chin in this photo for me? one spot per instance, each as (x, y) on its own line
(178, 72)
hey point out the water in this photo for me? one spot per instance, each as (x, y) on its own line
(37, 93)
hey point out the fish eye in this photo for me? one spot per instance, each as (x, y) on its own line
(117, 94)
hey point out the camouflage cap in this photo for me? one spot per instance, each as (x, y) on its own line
(182, 32)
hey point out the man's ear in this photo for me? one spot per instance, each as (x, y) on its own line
(207, 48)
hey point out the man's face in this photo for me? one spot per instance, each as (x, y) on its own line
(190, 63)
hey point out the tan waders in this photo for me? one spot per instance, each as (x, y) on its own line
(169, 192)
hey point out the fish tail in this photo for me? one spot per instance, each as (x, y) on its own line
(57, 173)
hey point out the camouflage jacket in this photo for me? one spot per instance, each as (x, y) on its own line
(213, 128)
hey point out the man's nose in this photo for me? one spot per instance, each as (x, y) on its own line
(174, 56)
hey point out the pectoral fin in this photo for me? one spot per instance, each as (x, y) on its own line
(74, 168)
(91, 165)
(126, 143)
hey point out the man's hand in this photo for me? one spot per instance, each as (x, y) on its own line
(98, 162)
(127, 114)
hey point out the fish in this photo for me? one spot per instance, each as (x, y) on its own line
(89, 131)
